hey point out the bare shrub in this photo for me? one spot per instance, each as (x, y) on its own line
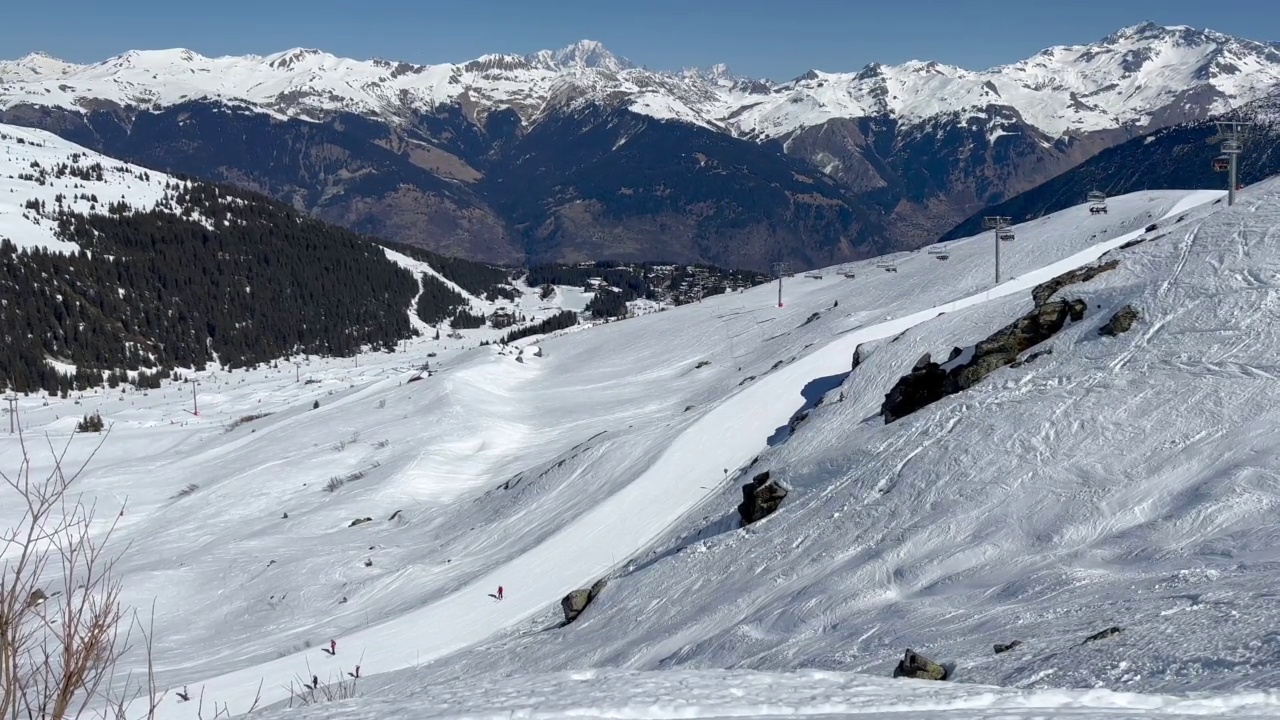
(189, 489)
(60, 609)
(315, 691)
(244, 419)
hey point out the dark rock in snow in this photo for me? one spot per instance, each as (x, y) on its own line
(955, 353)
(1103, 634)
(858, 356)
(760, 498)
(1006, 647)
(360, 521)
(1121, 322)
(1033, 357)
(575, 602)
(928, 383)
(1045, 290)
(924, 361)
(919, 667)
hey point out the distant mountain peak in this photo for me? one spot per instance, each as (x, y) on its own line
(588, 54)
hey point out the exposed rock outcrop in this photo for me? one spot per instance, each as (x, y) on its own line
(919, 667)
(1045, 290)
(928, 382)
(1103, 634)
(1121, 322)
(575, 602)
(760, 498)
(360, 521)
(1006, 647)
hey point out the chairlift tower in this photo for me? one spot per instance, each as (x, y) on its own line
(1230, 137)
(1000, 225)
(780, 268)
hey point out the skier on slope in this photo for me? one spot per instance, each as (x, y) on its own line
(333, 647)
(499, 592)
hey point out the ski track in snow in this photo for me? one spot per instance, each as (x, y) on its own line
(547, 474)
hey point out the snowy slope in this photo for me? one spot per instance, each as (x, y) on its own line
(1125, 481)
(600, 694)
(540, 475)
(1126, 78)
(29, 170)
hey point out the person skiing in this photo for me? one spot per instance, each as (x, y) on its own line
(333, 647)
(499, 592)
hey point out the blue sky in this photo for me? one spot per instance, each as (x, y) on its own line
(759, 38)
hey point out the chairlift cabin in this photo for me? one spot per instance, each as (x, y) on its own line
(940, 253)
(887, 267)
(1222, 163)
(815, 275)
(846, 271)
(1097, 197)
(1232, 146)
(1004, 235)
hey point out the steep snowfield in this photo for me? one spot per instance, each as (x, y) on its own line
(29, 162)
(1124, 78)
(545, 473)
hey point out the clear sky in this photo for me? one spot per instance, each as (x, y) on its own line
(759, 38)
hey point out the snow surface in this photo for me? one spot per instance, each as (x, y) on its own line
(598, 694)
(27, 151)
(1125, 78)
(613, 452)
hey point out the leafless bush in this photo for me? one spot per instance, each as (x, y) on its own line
(189, 489)
(60, 609)
(244, 419)
(313, 692)
(380, 444)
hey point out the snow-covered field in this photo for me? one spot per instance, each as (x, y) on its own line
(29, 170)
(1121, 481)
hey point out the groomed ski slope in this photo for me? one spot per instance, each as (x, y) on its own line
(750, 695)
(689, 470)
(1126, 481)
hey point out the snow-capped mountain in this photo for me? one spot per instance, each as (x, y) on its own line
(425, 153)
(1129, 77)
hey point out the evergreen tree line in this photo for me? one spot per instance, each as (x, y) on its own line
(464, 320)
(606, 304)
(481, 280)
(559, 321)
(232, 274)
(438, 301)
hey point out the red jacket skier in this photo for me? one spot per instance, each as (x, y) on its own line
(499, 592)
(333, 647)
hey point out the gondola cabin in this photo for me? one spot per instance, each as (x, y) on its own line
(1221, 163)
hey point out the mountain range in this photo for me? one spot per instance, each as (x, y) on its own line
(579, 154)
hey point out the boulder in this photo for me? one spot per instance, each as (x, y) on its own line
(1045, 290)
(575, 602)
(1103, 634)
(1121, 322)
(919, 667)
(360, 521)
(760, 498)
(858, 356)
(1006, 647)
(928, 383)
